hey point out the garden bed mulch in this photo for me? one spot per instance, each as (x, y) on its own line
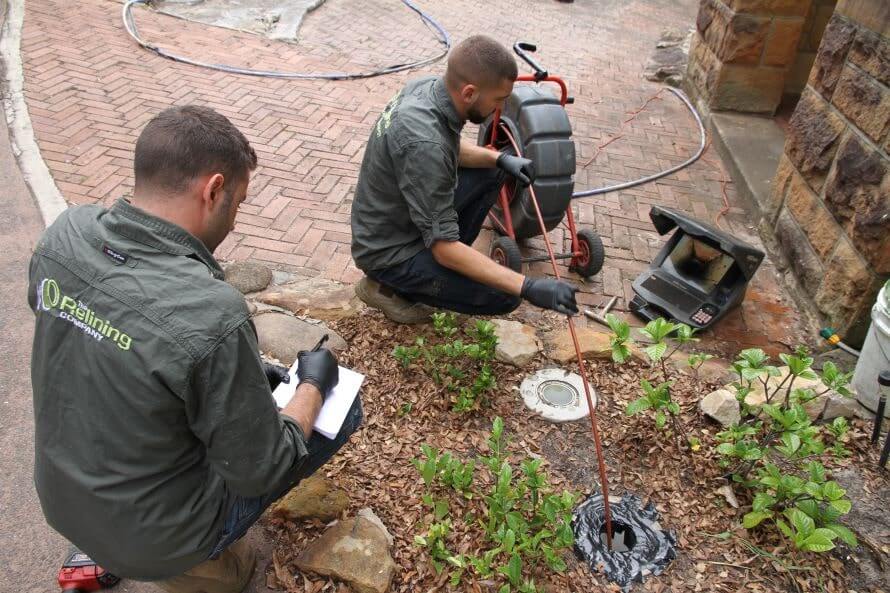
(714, 552)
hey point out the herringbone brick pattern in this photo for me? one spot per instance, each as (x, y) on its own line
(90, 90)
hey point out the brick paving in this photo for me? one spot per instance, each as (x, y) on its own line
(90, 90)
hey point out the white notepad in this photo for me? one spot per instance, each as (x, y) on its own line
(335, 408)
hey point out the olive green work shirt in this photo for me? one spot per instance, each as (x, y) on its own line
(404, 197)
(151, 407)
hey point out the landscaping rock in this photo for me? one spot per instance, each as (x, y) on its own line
(248, 276)
(313, 498)
(722, 406)
(282, 336)
(369, 514)
(315, 297)
(355, 551)
(594, 344)
(835, 406)
(517, 343)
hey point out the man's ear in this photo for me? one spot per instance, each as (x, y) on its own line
(469, 93)
(213, 193)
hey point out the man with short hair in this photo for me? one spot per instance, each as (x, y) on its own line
(158, 442)
(423, 193)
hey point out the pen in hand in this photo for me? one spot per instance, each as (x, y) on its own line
(320, 343)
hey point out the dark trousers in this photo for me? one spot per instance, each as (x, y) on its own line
(247, 510)
(422, 279)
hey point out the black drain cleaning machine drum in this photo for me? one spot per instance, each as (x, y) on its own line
(541, 128)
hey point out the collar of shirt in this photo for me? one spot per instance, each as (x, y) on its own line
(443, 101)
(126, 219)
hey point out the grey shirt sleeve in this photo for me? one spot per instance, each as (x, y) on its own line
(249, 444)
(426, 179)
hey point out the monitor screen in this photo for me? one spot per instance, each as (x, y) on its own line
(697, 264)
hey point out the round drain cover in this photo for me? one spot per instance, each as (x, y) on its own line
(556, 395)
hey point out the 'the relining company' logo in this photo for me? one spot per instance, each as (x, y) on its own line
(51, 300)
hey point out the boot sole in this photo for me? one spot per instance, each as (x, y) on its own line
(382, 304)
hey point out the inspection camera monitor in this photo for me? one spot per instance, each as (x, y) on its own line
(698, 276)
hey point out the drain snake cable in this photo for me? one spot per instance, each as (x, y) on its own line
(442, 36)
(597, 441)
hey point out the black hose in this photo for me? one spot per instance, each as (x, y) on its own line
(441, 35)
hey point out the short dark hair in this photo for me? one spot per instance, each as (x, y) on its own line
(480, 60)
(182, 143)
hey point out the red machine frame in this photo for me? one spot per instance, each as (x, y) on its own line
(580, 252)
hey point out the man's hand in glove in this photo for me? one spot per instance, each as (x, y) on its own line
(318, 368)
(276, 375)
(548, 293)
(522, 169)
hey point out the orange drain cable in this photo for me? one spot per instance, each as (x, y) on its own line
(581, 370)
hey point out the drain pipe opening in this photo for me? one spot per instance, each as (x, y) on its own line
(640, 547)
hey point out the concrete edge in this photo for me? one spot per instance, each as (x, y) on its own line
(24, 145)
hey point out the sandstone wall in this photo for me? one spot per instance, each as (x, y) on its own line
(830, 206)
(743, 51)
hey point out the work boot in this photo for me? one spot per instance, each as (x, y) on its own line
(392, 305)
(228, 573)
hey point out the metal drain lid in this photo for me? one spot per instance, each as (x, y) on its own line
(556, 395)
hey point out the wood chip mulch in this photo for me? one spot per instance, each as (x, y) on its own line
(714, 552)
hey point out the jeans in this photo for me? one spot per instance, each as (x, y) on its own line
(247, 510)
(422, 279)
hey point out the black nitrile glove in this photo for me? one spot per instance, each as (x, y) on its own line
(548, 293)
(522, 169)
(319, 368)
(276, 375)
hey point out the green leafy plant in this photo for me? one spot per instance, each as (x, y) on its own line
(779, 444)
(665, 339)
(523, 521)
(462, 367)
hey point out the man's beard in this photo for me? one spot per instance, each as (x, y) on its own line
(475, 116)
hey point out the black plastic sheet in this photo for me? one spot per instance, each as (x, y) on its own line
(650, 547)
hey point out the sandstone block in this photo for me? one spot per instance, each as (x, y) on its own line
(316, 297)
(857, 195)
(836, 41)
(781, 46)
(814, 133)
(703, 66)
(871, 52)
(734, 38)
(753, 90)
(771, 7)
(864, 101)
(800, 253)
(845, 284)
(813, 218)
(779, 188)
(871, 14)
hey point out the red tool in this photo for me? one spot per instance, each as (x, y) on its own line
(79, 574)
(504, 138)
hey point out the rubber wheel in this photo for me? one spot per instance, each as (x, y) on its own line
(590, 262)
(505, 251)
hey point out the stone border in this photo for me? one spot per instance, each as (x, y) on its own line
(24, 146)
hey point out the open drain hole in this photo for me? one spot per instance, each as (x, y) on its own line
(623, 537)
(640, 547)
